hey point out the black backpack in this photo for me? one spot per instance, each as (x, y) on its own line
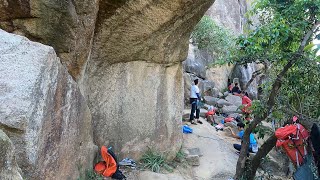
(118, 174)
(315, 139)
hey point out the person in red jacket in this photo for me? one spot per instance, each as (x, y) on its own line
(246, 102)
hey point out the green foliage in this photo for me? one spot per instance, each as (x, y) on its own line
(278, 36)
(90, 175)
(180, 155)
(301, 88)
(282, 40)
(215, 39)
(154, 161)
(258, 108)
(261, 131)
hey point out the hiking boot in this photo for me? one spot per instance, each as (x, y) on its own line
(193, 122)
(198, 121)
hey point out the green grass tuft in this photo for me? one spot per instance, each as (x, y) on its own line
(90, 175)
(154, 161)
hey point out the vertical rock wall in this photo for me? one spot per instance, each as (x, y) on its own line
(135, 76)
(230, 15)
(66, 25)
(42, 111)
(126, 56)
(137, 106)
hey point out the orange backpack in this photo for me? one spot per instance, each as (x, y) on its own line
(107, 167)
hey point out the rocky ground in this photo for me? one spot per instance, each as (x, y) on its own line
(210, 153)
(216, 157)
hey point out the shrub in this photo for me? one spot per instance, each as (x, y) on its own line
(215, 39)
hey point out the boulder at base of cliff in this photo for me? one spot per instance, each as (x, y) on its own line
(235, 100)
(230, 109)
(210, 100)
(9, 170)
(222, 102)
(43, 111)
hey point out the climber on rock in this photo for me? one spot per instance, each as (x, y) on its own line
(194, 101)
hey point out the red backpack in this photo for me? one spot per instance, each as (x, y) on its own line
(293, 139)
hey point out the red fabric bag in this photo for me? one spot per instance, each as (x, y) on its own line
(211, 112)
(228, 119)
(293, 139)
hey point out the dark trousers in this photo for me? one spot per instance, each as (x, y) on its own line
(238, 147)
(194, 108)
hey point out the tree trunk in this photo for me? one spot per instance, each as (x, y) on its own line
(262, 153)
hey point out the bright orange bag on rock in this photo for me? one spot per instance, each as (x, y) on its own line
(293, 139)
(107, 167)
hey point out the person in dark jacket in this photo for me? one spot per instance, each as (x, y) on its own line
(235, 89)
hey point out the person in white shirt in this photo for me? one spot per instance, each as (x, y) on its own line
(194, 99)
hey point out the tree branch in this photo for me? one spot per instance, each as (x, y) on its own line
(254, 75)
(308, 36)
(305, 120)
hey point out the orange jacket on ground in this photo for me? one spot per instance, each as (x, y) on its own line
(107, 167)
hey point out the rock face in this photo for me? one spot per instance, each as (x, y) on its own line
(244, 73)
(98, 39)
(126, 119)
(229, 14)
(8, 167)
(67, 26)
(42, 111)
(219, 75)
(119, 52)
(195, 63)
(134, 75)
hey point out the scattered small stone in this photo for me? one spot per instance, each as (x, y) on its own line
(195, 151)
(193, 160)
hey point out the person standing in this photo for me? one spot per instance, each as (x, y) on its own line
(194, 101)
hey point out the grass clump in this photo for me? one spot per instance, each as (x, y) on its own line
(180, 156)
(90, 175)
(154, 161)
